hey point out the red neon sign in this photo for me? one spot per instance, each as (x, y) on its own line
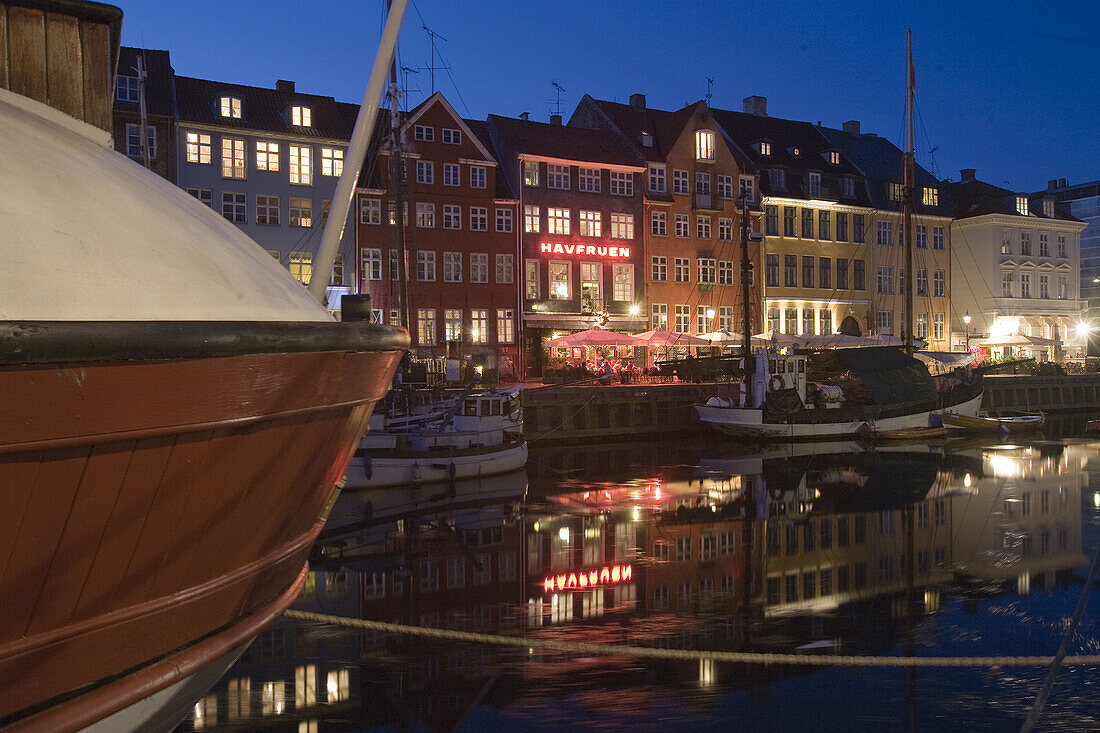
(607, 575)
(556, 248)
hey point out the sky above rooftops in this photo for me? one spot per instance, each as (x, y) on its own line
(1007, 88)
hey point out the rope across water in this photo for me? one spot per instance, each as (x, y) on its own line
(820, 660)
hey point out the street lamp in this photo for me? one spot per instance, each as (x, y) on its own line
(966, 322)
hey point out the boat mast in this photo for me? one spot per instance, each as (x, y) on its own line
(397, 171)
(356, 153)
(907, 200)
(143, 127)
(746, 302)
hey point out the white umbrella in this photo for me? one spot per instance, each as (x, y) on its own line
(661, 337)
(721, 336)
(597, 336)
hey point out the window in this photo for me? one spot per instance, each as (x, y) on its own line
(790, 271)
(813, 185)
(133, 140)
(425, 172)
(778, 179)
(680, 181)
(1044, 286)
(504, 268)
(825, 271)
(622, 287)
(477, 176)
(588, 180)
(530, 173)
(202, 194)
(930, 196)
(725, 318)
(425, 215)
(702, 183)
(937, 327)
(559, 281)
(425, 266)
(622, 183)
(824, 228)
(590, 225)
(332, 162)
(704, 145)
(790, 226)
(841, 226)
(765, 147)
(746, 188)
(300, 169)
(706, 272)
(825, 324)
(702, 320)
(681, 225)
(939, 283)
(479, 219)
(893, 191)
(1021, 205)
(807, 223)
(1025, 285)
(937, 237)
(301, 266)
(885, 283)
(530, 218)
(557, 221)
(301, 212)
(479, 267)
(370, 211)
(452, 174)
(683, 319)
(504, 220)
(807, 272)
(1062, 246)
(230, 107)
(682, 269)
(452, 216)
(232, 158)
(773, 325)
(702, 227)
(1025, 244)
(656, 178)
(506, 333)
(857, 228)
(848, 187)
(922, 236)
(660, 316)
(425, 328)
(791, 317)
(841, 274)
(658, 223)
(885, 236)
(659, 269)
(531, 279)
(725, 229)
(922, 282)
(771, 271)
(885, 322)
(452, 318)
(198, 148)
(300, 116)
(557, 176)
(267, 209)
(1006, 284)
(1044, 245)
(859, 281)
(725, 272)
(233, 207)
(127, 88)
(371, 264)
(452, 136)
(424, 134)
(1063, 292)
(922, 326)
(771, 220)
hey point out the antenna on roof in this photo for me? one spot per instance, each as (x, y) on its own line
(710, 82)
(405, 87)
(557, 100)
(432, 35)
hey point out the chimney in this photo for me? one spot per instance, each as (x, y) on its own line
(637, 101)
(1061, 183)
(756, 106)
(284, 86)
(851, 127)
(1052, 184)
(966, 174)
(555, 120)
(524, 116)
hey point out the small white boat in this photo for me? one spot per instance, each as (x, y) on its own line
(1022, 422)
(473, 444)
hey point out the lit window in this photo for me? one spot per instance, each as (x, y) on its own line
(530, 218)
(557, 221)
(301, 266)
(332, 162)
(559, 280)
(765, 147)
(198, 148)
(834, 157)
(704, 145)
(230, 107)
(338, 686)
(300, 116)
(622, 226)
(1021, 205)
(451, 136)
(232, 158)
(301, 212)
(479, 325)
(506, 333)
(530, 173)
(127, 88)
(425, 215)
(893, 191)
(425, 326)
(531, 279)
(590, 224)
(267, 156)
(301, 171)
(622, 289)
(930, 196)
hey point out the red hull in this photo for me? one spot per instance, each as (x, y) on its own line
(150, 506)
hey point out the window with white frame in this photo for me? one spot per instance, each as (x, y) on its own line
(656, 178)
(1044, 285)
(337, 277)
(559, 280)
(725, 272)
(939, 284)
(1006, 284)
(682, 324)
(267, 209)
(423, 133)
(885, 235)
(479, 325)
(127, 89)
(234, 207)
(622, 183)
(425, 172)
(681, 225)
(590, 224)
(301, 116)
(893, 191)
(680, 182)
(202, 194)
(658, 223)
(726, 317)
(922, 236)
(301, 212)
(332, 162)
(557, 176)
(425, 327)
(370, 211)
(746, 187)
(452, 216)
(504, 268)
(682, 269)
(702, 319)
(725, 186)
(764, 147)
(922, 282)
(725, 229)
(133, 140)
(706, 272)
(658, 268)
(1062, 246)
(230, 107)
(530, 218)
(1063, 290)
(884, 321)
(704, 145)
(1021, 205)
(702, 183)
(506, 332)
(847, 187)
(531, 279)
(702, 227)
(557, 221)
(1025, 244)
(301, 169)
(530, 173)
(937, 237)
(425, 265)
(477, 176)
(371, 264)
(232, 158)
(825, 321)
(938, 327)
(930, 196)
(1044, 245)
(659, 317)
(622, 226)
(922, 326)
(452, 174)
(833, 157)
(885, 283)
(267, 156)
(452, 136)
(622, 287)
(479, 219)
(588, 180)
(778, 178)
(198, 148)
(1025, 285)
(479, 267)
(504, 220)
(813, 182)
(425, 215)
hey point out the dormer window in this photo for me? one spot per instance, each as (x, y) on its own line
(647, 140)
(795, 152)
(813, 185)
(833, 157)
(893, 191)
(300, 116)
(704, 145)
(1048, 208)
(764, 147)
(230, 107)
(778, 178)
(1021, 205)
(848, 187)
(930, 196)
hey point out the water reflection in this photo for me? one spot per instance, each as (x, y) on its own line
(911, 550)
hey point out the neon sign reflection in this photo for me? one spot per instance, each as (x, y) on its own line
(607, 575)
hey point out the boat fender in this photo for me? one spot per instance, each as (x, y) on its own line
(776, 383)
(367, 467)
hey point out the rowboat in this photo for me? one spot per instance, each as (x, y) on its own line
(1019, 423)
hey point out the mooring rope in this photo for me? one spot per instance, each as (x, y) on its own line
(820, 660)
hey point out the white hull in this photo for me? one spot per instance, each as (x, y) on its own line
(408, 470)
(749, 423)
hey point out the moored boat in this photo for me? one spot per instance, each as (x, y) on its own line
(1019, 423)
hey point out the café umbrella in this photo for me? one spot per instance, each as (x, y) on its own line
(661, 337)
(597, 336)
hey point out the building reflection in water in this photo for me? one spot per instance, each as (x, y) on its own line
(822, 547)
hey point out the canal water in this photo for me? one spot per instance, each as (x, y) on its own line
(959, 549)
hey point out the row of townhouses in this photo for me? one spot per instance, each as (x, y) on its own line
(625, 216)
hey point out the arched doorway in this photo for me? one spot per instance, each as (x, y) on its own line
(850, 327)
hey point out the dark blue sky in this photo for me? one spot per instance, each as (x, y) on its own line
(1009, 88)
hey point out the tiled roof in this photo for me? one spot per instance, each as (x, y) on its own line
(517, 137)
(159, 96)
(977, 198)
(481, 129)
(264, 109)
(664, 127)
